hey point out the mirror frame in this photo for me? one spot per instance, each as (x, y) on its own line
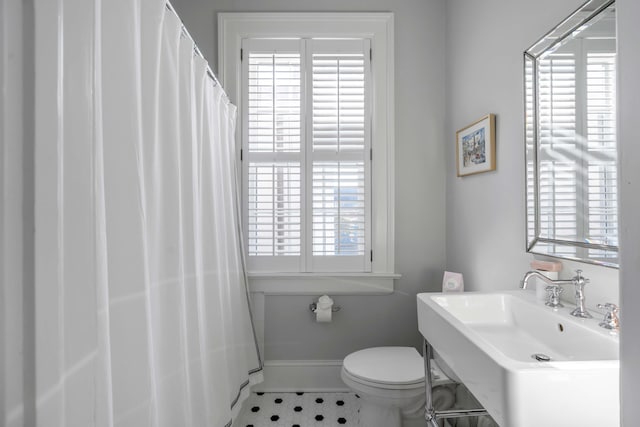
(557, 36)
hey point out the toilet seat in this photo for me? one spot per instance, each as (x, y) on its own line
(394, 368)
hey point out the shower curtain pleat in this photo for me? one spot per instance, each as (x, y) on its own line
(143, 316)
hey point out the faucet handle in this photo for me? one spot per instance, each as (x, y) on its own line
(609, 306)
(553, 296)
(611, 319)
(579, 277)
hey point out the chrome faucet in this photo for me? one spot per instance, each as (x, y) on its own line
(578, 281)
(611, 320)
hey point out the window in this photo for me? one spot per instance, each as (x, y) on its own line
(315, 98)
(306, 154)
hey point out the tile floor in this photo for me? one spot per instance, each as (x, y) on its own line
(299, 410)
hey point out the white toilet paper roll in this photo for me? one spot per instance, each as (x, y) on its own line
(323, 316)
(324, 307)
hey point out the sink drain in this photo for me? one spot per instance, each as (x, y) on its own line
(541, 357)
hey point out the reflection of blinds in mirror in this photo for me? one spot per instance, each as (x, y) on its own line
(601, 135)
(557, 100)
(558, 208)
(558, 182)
(601, 101)
(530, 146)
(570, 139)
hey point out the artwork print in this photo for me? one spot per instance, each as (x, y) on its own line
(473, 148)
(476, 147)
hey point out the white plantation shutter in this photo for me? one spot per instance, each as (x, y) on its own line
(273, 152)
(338, 101)
(306, 139)
(338, 155)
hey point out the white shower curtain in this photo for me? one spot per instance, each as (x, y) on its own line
(142, 310)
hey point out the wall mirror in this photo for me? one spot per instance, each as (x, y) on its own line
(570, 136)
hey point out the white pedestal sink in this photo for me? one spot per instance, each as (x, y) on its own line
(489, 339)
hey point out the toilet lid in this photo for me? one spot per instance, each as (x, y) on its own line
(386, 365)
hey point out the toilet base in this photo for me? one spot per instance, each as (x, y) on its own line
(379, 409)
(373, 415)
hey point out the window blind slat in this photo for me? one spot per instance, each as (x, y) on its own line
(338, 102)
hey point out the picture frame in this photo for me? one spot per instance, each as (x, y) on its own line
(476, 147)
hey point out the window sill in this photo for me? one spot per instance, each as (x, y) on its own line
(322, 283)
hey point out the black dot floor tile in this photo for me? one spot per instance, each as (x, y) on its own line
(300, 409)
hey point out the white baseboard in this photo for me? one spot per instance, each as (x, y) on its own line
(302, 375)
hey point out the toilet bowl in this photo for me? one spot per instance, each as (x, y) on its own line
(390, 384)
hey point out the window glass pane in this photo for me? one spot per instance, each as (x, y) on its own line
(338, 208)
(274, 209)
(274, 102)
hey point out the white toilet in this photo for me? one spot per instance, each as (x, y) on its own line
(390, 384)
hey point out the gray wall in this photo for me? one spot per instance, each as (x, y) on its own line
(369, 321)
(629, 103)
(12, 335)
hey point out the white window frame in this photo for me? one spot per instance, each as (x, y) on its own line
(378, 28)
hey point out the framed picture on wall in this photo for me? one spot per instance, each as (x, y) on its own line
(476, 147)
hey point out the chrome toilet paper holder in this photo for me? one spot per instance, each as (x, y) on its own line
(313, 306)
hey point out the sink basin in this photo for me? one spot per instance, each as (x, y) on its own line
(489, 339)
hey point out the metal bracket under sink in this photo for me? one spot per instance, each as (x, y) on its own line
(431, 415)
